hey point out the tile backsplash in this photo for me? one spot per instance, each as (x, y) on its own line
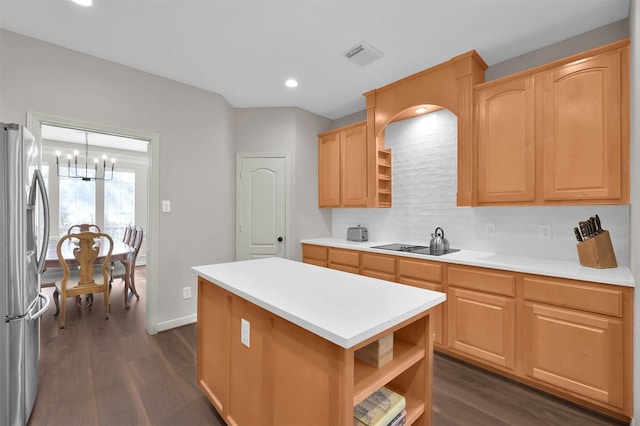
(424, 153)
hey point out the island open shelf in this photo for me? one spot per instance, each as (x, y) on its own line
(299, 368)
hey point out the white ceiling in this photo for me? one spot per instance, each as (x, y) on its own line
(245, 49)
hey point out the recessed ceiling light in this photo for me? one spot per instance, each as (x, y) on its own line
(291, 83)
(83, 2)
(421, 110)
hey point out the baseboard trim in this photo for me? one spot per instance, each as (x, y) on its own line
(178, 322)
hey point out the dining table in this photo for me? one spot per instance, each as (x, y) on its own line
(121, 253)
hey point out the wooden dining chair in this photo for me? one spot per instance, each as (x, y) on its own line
(126, 238)
(86, 280)
(83, 227)
(119, 271)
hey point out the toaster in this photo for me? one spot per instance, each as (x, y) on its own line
(357, 233)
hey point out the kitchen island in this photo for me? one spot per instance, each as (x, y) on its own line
(277, 338)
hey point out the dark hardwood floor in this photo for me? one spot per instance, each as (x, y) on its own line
(97, 372)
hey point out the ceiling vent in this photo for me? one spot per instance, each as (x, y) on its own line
(363, 54)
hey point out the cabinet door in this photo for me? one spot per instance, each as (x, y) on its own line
(428, 275)
(246, 368)
(482, 325)
(213, 344)
(505, 141)
(582, 130)
(353, 170)
(329, 170)
(579, 352)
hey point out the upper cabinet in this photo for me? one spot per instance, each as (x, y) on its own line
(583, 129)
(342, 167)
(557, 134)
(505, 141)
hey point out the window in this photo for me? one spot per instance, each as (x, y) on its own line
(119, 201)
(77, 202)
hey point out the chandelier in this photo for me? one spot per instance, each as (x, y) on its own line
(82, 172)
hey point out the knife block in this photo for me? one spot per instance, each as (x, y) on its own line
(597, 252)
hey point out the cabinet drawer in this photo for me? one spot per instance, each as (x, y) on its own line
(420, 270)
(314, 252)
(583, 296)
(344, 257)
(379, 266)
(483, 279)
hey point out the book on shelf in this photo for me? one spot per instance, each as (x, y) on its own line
(399, 420)
(379, 409)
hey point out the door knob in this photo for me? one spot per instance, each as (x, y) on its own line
(280, 239)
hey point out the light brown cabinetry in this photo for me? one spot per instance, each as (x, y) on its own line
(556, 134)
(213, 356)
(427, 275)
(481, 314)
(577, 338)
(315, 255)
(342, 167)
(344, 260)
(568, 337)
(378, 266)
(505, 141)
(583, 135)
(291, 376)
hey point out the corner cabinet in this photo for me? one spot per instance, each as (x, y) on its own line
(557, 134)
(342, 167)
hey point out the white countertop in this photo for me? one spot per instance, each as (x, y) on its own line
(343, 308)
(531, 265)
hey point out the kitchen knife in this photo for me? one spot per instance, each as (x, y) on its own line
(583, 229)
(598, 225)
(594, 227)
(578, 236)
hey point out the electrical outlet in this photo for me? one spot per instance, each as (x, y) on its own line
(491, 230)
(544, 232)
(245, 332)
(166, 206)
(186, 293)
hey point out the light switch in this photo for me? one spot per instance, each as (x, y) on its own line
(245, 332)
(166, 206)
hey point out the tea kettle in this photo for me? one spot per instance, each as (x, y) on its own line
(438, 241)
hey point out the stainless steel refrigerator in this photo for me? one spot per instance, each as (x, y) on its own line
(24, 235)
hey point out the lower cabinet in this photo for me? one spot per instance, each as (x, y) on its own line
(213, 341)
(575, 351)
(428, 275)
(288, 375)
(481, 317)
(578, 338)
(568, 337)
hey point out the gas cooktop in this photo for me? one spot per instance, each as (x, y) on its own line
(415, 249)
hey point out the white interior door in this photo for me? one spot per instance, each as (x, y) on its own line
(261, 207)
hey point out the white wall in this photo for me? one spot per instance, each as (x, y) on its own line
(292, 131)
(424, 151)
(196, 149)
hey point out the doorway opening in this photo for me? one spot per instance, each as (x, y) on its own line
(139, 153)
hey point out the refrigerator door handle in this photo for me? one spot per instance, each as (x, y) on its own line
(27, 315)
(43, 309)
(39, 180)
